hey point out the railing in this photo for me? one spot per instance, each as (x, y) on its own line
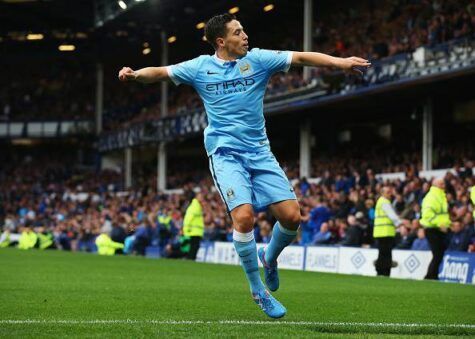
(45, 129)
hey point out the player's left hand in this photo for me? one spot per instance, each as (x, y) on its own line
(353, 65)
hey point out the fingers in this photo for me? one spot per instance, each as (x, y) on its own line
(126, 73)
(360, 62)
(358, 65)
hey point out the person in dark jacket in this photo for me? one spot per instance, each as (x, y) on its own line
(459, 239)
(354, 233)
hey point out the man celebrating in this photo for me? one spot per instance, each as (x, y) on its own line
(232, 85)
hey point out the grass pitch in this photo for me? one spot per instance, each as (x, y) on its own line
(59, 294)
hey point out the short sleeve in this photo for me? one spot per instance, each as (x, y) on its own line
(275, 61)
(184, 72)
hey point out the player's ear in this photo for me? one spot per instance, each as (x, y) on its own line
(220, 42)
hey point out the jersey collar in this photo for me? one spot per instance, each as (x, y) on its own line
(219, 60)
(223, 62)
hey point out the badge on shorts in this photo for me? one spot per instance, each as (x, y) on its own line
(230, 194)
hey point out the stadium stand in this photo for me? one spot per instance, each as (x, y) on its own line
(406, 41)
(404, 27)
(60, 90)
(76, 205)
(407, 25)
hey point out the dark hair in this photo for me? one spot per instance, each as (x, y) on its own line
(216, 27)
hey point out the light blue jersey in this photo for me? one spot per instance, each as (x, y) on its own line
(233, 93)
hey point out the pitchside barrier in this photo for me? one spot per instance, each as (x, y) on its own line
(456, 266)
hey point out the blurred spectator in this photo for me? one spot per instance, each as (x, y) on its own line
(323, 236)
(265, 231)
(146, 235)
(404, 239)
(420, 243)
(385, 224)
(459, 238)
(318, 215)
(105, 245)
(193, 224)
(354, 234)
(178, 248)
(436, 220)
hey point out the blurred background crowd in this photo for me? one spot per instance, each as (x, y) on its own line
(54, 193)
(379, 29)
(76, 205)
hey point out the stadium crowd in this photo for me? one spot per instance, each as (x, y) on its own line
(386, 28)
(379, 30)
(65, 90)
(72, 207)
(351, 160)
(59, 90)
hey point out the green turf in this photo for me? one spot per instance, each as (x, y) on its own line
(69, 291)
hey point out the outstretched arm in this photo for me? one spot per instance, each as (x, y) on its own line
(145, 75)
(323, 60)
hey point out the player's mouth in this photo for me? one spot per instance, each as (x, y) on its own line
(245, 46)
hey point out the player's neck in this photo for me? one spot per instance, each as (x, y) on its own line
(224, 55)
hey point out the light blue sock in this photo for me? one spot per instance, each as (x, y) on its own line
(245, 246)
(281, 238)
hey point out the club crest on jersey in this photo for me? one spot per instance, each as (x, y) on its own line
(245, 68)
(230, 194)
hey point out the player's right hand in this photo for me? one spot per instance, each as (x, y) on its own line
(127, 74)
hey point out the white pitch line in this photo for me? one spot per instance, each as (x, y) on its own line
(230, 322)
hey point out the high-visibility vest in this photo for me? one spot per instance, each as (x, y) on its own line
(165, 220)
(435, 209)
(46, 240)
(193, 223)
(383, 225)
(106, 246)
(27, 240)
(5, 241)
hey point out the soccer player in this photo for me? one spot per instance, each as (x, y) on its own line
(232, 83)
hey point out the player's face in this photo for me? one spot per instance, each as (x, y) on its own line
(235, 41)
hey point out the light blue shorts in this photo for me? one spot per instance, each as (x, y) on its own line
(249, 178)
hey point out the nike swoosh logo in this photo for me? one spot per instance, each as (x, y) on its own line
(209, 73)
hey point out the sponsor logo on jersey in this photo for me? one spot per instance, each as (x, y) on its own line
(230, 86)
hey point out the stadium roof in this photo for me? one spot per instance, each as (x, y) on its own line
(172, 15)
(45, 15)
(61, 21)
